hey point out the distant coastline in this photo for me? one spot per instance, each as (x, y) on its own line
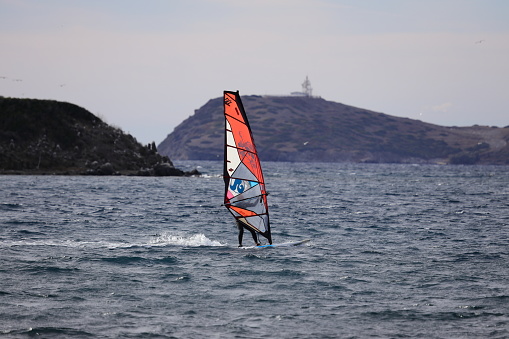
(311, 129)
(46, 137)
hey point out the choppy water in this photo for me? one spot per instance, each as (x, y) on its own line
(396, 251)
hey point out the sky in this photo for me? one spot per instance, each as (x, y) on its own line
(145, 66)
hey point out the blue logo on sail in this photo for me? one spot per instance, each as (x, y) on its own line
(237, 186)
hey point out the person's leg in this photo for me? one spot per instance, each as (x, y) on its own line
(255, 237)
(241, 234)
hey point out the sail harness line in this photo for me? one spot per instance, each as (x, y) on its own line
(243, 149)
(261, 195)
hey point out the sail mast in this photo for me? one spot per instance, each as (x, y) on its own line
(245, 195)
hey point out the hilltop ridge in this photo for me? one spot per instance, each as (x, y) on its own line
(314, 129)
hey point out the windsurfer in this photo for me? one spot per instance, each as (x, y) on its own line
(241, 226)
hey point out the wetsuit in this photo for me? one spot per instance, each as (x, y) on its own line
(241, 226)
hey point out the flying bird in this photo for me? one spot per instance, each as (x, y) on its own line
(479, 42)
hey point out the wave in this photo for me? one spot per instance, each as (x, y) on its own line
(10, 206)
(68, 243)
(48, 331)
(163, 239)
(194, 240)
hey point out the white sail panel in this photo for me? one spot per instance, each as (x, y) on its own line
(233, 159)
(243, 172)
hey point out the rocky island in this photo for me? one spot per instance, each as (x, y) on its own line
(51, 137)
(306, 128)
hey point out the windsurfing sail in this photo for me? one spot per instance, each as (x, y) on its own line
(245, 196)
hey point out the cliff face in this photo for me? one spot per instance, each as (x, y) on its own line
(313, 129)
(44, 136)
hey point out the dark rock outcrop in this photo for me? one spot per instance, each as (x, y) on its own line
(313, 129)
(50, 137)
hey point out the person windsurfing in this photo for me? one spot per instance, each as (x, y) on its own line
(241, 226)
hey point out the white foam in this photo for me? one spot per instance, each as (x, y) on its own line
(208, 176)
(164, 239)
(69, 243)
(193, 240)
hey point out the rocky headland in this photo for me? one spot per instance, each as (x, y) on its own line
(51, 137)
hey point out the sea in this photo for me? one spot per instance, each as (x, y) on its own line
(396, 251)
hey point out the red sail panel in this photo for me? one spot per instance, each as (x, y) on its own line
(243, 212)
(243, 139)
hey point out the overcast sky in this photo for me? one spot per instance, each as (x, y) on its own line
(145, 66)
